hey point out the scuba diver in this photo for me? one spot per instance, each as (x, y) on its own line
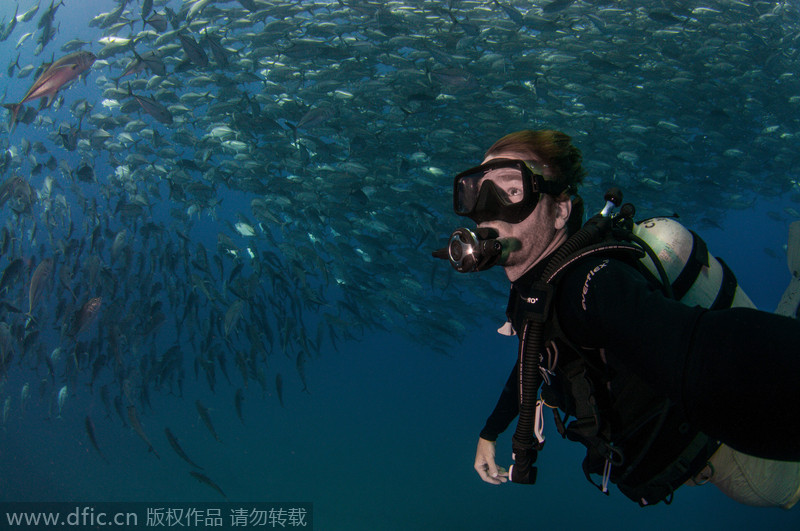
(662, 367)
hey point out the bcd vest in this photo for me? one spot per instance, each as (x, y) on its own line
(635, 437)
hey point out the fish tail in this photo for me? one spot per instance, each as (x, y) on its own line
(31, 318)
(14, 108)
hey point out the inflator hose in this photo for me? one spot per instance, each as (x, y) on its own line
(522, 445)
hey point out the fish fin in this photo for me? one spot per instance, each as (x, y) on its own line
(50, 69)
(48, 100)
(14, 108)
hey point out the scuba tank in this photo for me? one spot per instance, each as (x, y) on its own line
(696, 277)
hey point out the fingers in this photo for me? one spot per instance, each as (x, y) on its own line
(485, 465)
(483, 472)
(500, 475)
(492, 473)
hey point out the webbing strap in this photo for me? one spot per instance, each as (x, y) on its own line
(727, 291)
(697, 259)
(675, 475)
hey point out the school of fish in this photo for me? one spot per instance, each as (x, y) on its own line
(195, 188)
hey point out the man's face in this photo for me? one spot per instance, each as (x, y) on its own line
(533, 237)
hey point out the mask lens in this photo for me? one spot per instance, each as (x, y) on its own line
(466, 192)
(508, 182)
(501, 189)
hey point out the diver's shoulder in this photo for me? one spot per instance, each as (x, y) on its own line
(594, 264)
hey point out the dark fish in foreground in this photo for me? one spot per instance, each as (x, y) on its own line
(238, 399)
(152, 107)
(193, 51)
(18, 193)
(202, 478)
(52, 79)
(315, 117)
(134, 420)
(217, 50)
(147, 6)
(149, 60)
(84, 317)
(203, 410)
(173, 441)
(92, 437)
(11, 273)
(41, 275)
(85, 173)
(158, 21)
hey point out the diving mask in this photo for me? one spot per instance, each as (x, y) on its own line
(501, 189)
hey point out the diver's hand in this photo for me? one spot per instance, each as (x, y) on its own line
(485, 465)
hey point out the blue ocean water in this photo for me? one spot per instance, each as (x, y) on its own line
(385, 437)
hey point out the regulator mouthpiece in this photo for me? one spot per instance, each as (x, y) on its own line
(470, 251)
(613, 199)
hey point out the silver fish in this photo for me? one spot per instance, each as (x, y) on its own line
(202, 478)
(62, 399)
(133, 418)
(203, 411)
(173, 441)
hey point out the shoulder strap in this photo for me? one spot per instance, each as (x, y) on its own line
(530, 315)
(536, 304)
(612, 249)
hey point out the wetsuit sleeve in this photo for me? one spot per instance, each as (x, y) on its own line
(505, 411)
(735, 372)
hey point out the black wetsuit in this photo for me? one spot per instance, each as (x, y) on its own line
(733, 373)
